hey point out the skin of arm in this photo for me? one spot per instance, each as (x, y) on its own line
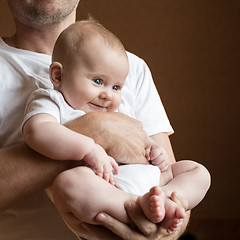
(41, 173)
(122, 137)
(42, 131)
(45, 135)
(24, 173)
(35, 172)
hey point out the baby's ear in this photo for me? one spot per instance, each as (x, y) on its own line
(56, 72)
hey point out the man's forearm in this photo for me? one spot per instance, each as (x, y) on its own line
(126, 145)
(24, 172)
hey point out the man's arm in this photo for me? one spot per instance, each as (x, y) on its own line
(122, 137)
(24, 172)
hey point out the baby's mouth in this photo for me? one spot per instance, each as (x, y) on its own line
(95, 105)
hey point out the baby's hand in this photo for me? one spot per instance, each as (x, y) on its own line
(158, 157)
(102, 163)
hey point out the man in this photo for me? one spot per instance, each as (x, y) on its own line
(24, 58)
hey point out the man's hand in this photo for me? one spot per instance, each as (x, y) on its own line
(122, 137)
(119, 230)
(115, 230)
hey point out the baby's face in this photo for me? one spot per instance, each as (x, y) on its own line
(94, 83)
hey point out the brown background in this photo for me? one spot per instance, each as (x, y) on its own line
(192, 49)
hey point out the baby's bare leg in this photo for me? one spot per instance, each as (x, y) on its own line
(183, 177)
(188, 179)
(93, 195)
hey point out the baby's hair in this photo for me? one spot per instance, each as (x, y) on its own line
(69, 44)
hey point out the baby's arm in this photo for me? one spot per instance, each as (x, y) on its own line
(156, 154)
(45, 135)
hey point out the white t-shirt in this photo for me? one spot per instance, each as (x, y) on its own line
(22, 72)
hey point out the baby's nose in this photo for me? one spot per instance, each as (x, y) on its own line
(106, 94)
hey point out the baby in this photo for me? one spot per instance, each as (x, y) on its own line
(88, 71)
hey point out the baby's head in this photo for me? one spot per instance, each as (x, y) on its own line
(89, 67)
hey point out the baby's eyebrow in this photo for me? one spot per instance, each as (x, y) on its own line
(99, 74)
(119, 83)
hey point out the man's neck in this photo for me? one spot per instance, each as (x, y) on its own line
(38, 40)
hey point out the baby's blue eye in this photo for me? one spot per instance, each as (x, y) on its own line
(115, 87)
(98, 81)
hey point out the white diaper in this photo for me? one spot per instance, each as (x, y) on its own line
(137, 178)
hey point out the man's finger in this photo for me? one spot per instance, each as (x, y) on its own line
(96, 232)
(179, 200)
(120, 229)
(144, 225)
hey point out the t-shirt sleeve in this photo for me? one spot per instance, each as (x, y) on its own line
(41, 102)
(148, 108)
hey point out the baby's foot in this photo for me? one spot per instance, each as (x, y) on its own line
(174, 215)
(152, 204)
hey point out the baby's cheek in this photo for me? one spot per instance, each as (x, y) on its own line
(115, 104)
(112, 108)
(119, 100)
